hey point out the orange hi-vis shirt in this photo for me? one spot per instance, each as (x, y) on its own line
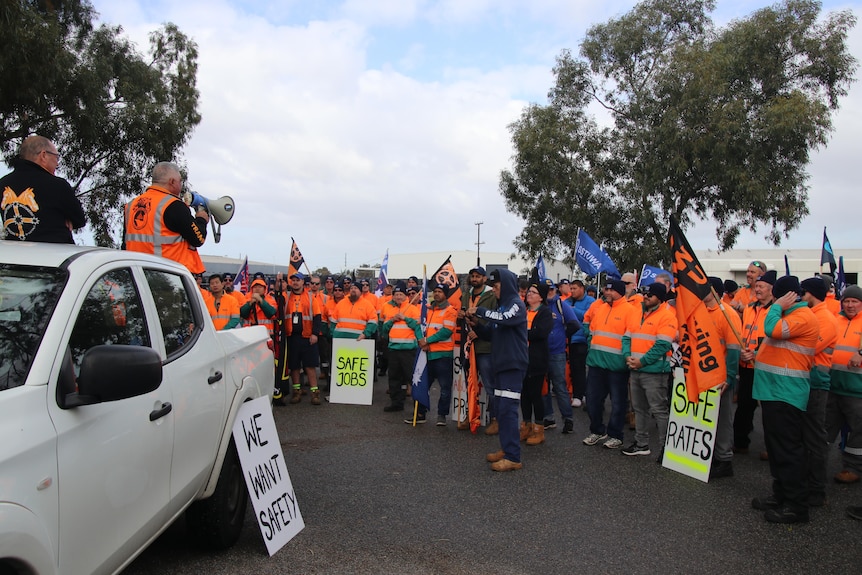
(847, 380)
(401, 334)
(147, 233)
(833, 304)
(744, 296)
(351, 319)
(258, 317)
(752, 329)
(439, 318)
(657, 325)
(825, 346)
(607, 325)
(227, 310)
(302, 307)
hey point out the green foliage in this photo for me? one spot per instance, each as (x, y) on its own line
(112, 112)
(706, 124)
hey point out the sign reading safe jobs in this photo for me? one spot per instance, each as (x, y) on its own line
(352, 371)
(266, 476)
(691, 430)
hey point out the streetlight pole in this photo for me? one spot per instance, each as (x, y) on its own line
(479, 242)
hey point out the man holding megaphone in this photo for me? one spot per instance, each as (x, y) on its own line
(159, 222)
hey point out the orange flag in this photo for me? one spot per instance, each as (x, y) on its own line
(699, 341)
(445, 275)
(296, 259)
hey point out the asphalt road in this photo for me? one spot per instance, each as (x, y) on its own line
(379, 496)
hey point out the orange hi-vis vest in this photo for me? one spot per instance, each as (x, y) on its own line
(227, 310)
(306, 305)
(828, 338)
(438, 318)
(147, 233)
(352, 318)
(609, 322)
(752, 329)
(257, 317)
(847, 380)
(328, 309)
(659, 324)
(833, 303)
(400, 332)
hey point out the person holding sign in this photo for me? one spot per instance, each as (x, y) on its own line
(782, 376)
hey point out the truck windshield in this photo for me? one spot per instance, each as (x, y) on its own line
(27, 299)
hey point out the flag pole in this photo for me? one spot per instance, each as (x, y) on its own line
(726, 317)
(424, 329)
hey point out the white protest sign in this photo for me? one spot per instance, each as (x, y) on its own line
(352, 371)
(459, 393)
(691, 430)
(266, 477)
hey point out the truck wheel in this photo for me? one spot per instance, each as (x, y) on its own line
(216, 522)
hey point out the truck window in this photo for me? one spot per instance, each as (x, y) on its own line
(111, 314)
(176, 315)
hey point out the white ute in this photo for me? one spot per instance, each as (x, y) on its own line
(117, 399)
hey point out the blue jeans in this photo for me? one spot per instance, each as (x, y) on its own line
(440, 370)
(489, 378)
(557, 377)
(508, 400)
(600, 383)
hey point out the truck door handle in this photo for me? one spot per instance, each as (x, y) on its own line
(214, 378)
(161, 412)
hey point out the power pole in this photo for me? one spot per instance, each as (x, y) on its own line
(479, 242)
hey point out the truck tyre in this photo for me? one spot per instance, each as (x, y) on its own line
(216, 522)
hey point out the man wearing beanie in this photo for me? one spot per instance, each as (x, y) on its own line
(729, 328)
(607, 324)
(753, 316)
(782, 375)
(844, 404)
(439, 344)
(648, 356)
(814, 432)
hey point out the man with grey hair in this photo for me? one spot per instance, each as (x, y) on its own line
(158, 222)
(38, 206)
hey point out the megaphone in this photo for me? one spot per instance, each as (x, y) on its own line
(220, 210)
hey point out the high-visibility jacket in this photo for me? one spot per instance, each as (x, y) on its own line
(146, 232)
(652, 339)
(636, 299)
(820, 373)
(744, 296)
(608, 327)
(753, 317)
(349, 320)
(371, 297)
(303, 307)
(226, 314)
(846, 380)
(404, 333)
(833, 303)
(440, 329)
(782, 366)
(725, 324)
(263, 314)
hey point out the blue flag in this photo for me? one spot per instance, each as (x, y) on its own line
(540, 266)
(827, 256)
(649, 273)
(840, 280)
(786, 265)
(591, 258)
(383, 277)
(419, 387)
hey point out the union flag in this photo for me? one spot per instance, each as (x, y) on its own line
(445, 275)
(699, 341)
(296, 259)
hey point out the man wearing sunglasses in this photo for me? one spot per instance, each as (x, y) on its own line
(745, 295)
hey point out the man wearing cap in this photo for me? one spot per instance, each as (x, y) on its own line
(564, 289)
(814, 291)
(506, 327)
(404, 331)
(439, 344)
(480, 295)
(580, 302)
(367, 294)
(782, 374)
(753, 316)
(227, 280)
(302, 314)
(844, 404)
(608, 325)
(729, 326)
(648, 358)
(565, 324)
(746, 295)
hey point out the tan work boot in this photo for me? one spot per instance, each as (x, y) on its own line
(506, 465)
(463, 425)
(526, 429)
(493, 428)
(315, 397)
(297, 395)
(537, 436)
(495, 457)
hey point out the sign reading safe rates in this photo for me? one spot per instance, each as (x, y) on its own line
(691, 430)
(266, 477)
(352, 371)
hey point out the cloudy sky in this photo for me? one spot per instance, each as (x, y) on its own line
(358, 126)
